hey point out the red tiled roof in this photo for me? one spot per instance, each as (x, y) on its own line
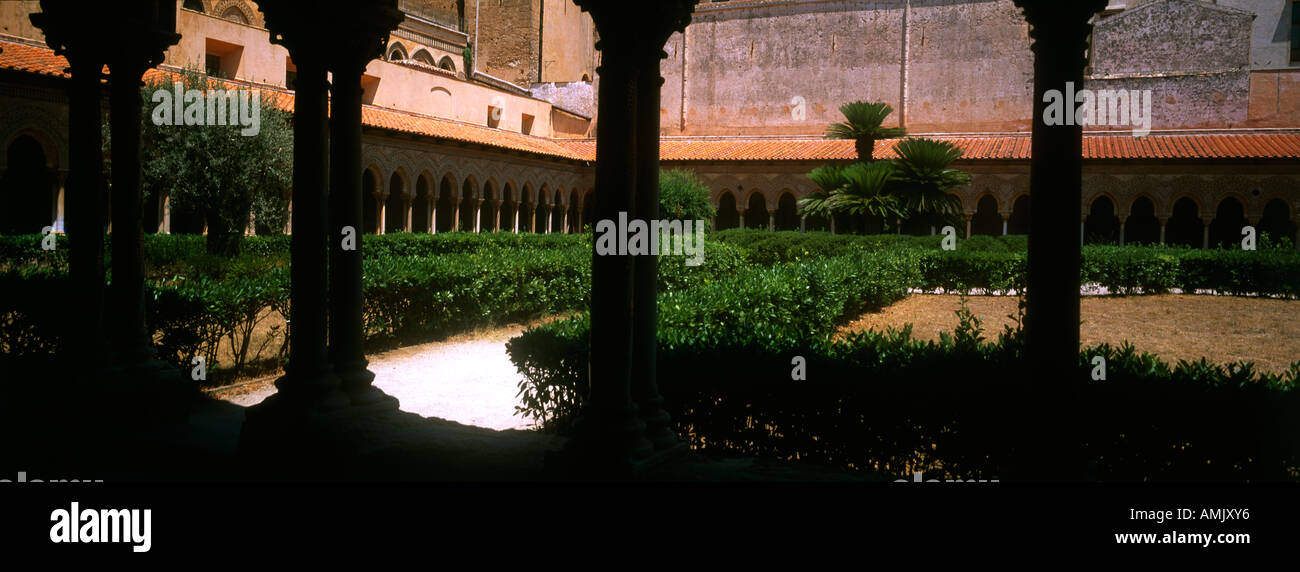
(1271, 144)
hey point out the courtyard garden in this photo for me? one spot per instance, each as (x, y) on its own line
(910, 353)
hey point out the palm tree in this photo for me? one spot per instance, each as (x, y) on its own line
(863, 124)
(858, 189)
(923, 176)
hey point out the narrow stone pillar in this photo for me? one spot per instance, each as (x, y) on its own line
(455, 214)
(1121, 229)
(742, 218)
(1059, 32)
(351, 50)
(1205, 232)
(968, 221)
(478, 215)
(645, 311)
(1004, 224)
(832, 217)
(72, 31)
(771, 221)
(138, 47)
(610, 436)
(495, 204)
(309, 381)
(381, 208)
(803, 224)
(433, 215)
(1163, 222)
(514, 227)
(546, 214)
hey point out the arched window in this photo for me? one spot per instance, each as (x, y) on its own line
(195, 5)
(447, 64)
(235, 14)
(396, 52)
(423, 57)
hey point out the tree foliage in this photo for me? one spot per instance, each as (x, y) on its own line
(218, 172)
(683, 196)
(863, 123)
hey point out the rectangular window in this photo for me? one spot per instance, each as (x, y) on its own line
(526, 124)
(1295, 32)
(493, 116)
(212, 65)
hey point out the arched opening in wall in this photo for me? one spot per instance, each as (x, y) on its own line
(27, 189)
(589, 210)
(508, 208)
(756, 212)
(557, 213)
(486, 218)
(540, 212)
(396, 52)
(236, 14)
(152, 211)
(395, 205)
(468, 208)
(369, 207)
(527, 208)
(1277, 223)
(574, 223)
(195, 5)
(1229, 218)
(1018, 223)
(420, 206)
(728, 216)
(1184, 228)
(422, 56)
(1142, 226)
(1102, 226)
(446, 63)
(787, 212)
(986, 221)
(446, 204)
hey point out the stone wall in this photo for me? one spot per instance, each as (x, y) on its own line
(774, 67)
(507, 37)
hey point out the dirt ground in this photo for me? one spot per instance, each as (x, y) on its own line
(1221, 328)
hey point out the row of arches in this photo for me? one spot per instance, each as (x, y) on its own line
(1186, 223)
(443, 205)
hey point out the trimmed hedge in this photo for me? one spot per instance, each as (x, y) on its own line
(884, 402)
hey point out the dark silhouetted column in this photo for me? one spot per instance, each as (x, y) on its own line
(309, 382)
(71, 30)
(1060, 32)
(361, 36)
(610, 435)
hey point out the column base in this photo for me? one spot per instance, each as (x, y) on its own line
(358, 383)
(324, 439)
(602, 449)
(141, 393)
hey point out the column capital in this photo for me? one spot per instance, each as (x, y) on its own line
(1049, 21)
(343, 35)
(629, 29)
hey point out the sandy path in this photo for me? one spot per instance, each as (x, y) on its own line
(1172, 326)
(467, 378)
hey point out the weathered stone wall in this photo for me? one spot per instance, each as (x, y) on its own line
(744, 66)
(507, 36)
(969, 67)
(1193, 57)
(568, 43)
(961, 65)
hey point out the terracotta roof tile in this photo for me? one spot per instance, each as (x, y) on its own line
(1272, 144)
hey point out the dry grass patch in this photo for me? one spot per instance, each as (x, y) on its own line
(1175, 327)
